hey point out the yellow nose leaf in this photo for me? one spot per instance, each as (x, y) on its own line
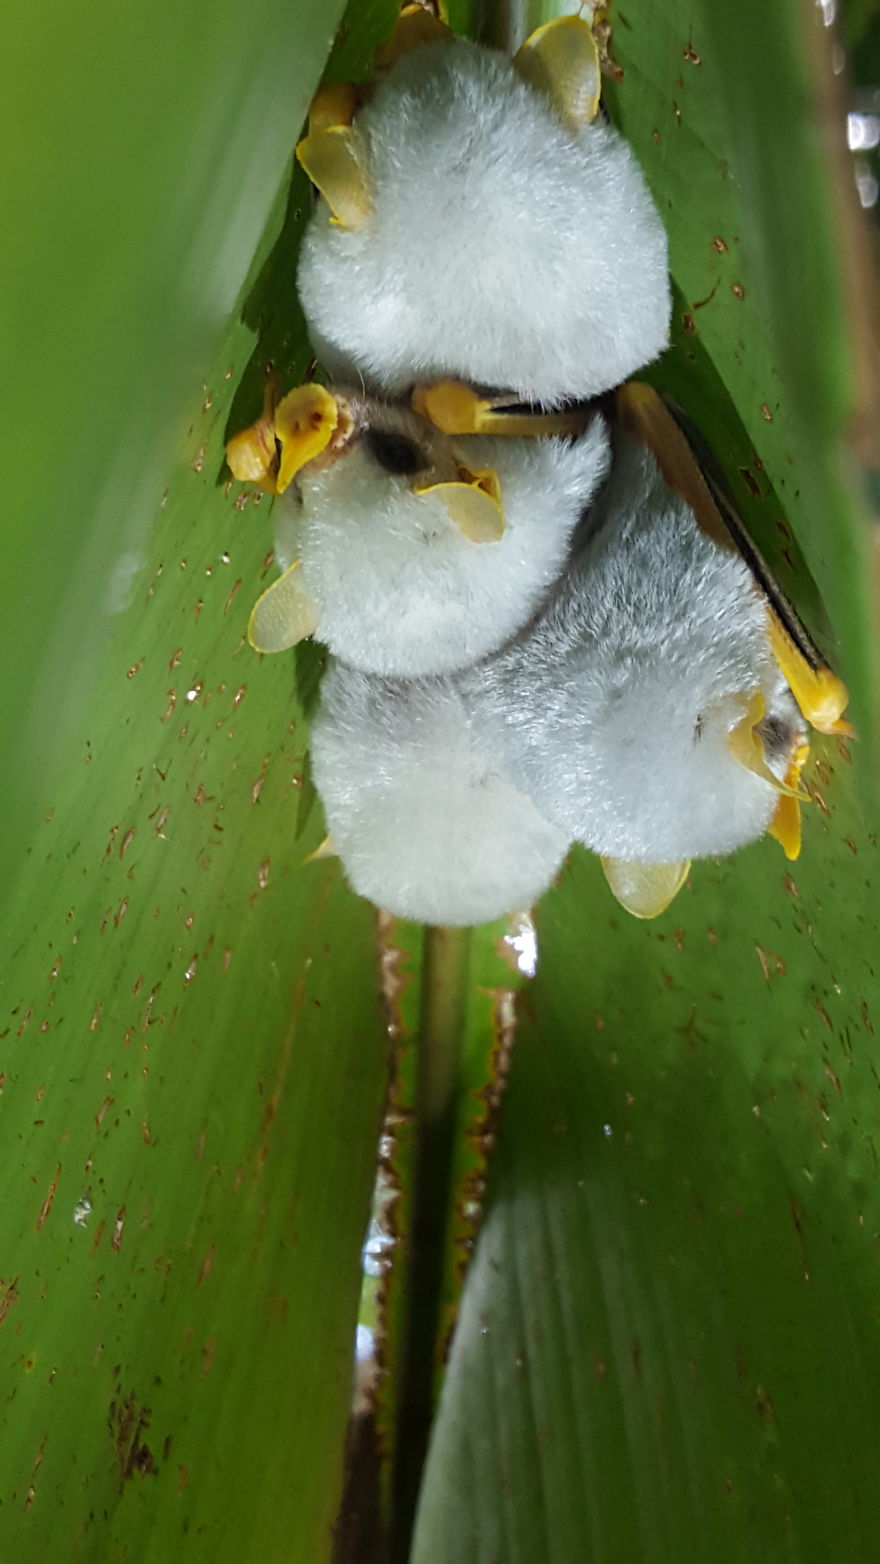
(644, 889)
(455, 409)
(304, 424)
(473, 503)
(785, 826)
(334, 161)
(561, 61)
(283, 616)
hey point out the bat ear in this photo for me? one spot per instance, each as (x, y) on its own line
(415, 26)
(283, 616)
(455, 408)
(325, 849)
(252, 454)
(305, 421)
(644, 889)
(334, 104)
(336, 162)
(473, 501)
(821, 696)
(561, 61)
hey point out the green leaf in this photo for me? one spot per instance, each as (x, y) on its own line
(193, 1057)
(669, 1332)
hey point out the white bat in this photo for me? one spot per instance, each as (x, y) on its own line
(409, 552)
(479, 224)
(646, 711)
(423, 821)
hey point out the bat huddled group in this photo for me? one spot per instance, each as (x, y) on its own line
(540, 633)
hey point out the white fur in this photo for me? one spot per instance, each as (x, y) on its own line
(613, 709)
(399, 590)
(503, 248)
(423, 822)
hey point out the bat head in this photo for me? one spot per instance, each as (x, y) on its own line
(418, 552)
(469, 230)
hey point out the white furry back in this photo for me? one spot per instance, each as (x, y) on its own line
(613, 710)
(503, 248)
(421, 818)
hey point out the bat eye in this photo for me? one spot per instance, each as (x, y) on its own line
(775, 735)
(395, 452)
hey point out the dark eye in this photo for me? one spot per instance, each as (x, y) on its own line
(776, 735)
(394, 452)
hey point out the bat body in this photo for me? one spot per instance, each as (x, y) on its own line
(396, 586)
(644, 711)
(418, 811)
(493, 242)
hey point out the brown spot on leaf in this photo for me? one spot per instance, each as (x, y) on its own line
(8, 1298)
(118, 1230)
(206, 1265)
(49, 1201)
(689, 53)
(128, 1423)
(822, 1014)
(764, 1404)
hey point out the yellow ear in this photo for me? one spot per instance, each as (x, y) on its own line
(821, 696)
(252, 454)
(325, 849)
(561, 61)
(283, 616)
(473, 501)
(334, 160)
(333, 105)
(415, 27)
(644, 889)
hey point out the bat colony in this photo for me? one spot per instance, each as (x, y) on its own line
(542, 631)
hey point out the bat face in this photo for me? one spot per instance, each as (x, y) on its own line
(420, 553)
(644, 712)
(490, 241)
(418, 811)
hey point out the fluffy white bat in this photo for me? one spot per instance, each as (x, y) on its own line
(645, 711)
(478, 225)
(418, 812)
(412, 553)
